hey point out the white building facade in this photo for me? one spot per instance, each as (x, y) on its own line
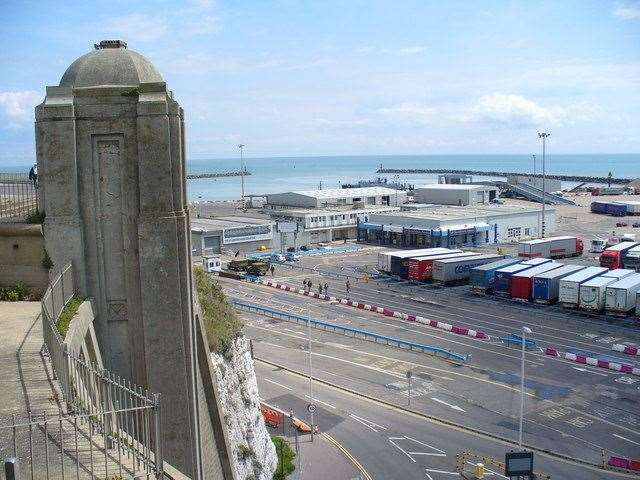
(337, 197)
(456, 194)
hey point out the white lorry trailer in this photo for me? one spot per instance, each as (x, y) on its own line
(593, 293)
(621, 295)
(569, 287)
(552, 247)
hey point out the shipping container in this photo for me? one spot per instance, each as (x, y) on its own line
(502, 279)
(618, 274)
(632, 259)
(621, 295)
(421, 268)
(569, 287)
(482, 277)
(384, 260)
(613, 256)
(458, 269)
(593, 293)
(522, 282)
(599, 207)
(395, 257)
(638, 304)
(552, 247)
(616, 209)
(633, 207)
(546, 286)
(400, 261)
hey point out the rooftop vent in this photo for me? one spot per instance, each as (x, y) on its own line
(110, 44)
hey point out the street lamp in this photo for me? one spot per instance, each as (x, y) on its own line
(544, 137)
(241, 146)
(534, 165)
(525, 331)
(311, 407)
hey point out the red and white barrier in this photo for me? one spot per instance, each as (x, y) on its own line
(594, 362)
(628, 349)
(381, 310)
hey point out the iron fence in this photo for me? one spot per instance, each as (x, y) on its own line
(18, 197)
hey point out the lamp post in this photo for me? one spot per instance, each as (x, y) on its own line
(544, 137)
(525, 331)
(241, 147)
(311, 404)
(534, 165)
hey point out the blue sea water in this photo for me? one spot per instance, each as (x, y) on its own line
(269, 175)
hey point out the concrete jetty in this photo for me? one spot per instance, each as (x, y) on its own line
(217, 175)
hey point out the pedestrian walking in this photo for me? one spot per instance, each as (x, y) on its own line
(320, 288)
(348, 286)
(326, 289)
(310, 285)
(273, 269)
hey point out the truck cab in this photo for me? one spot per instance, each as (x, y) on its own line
(598, 245)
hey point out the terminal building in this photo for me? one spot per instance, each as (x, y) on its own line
(460, 194)
(211, 236)
(338, 197)
(453, 226)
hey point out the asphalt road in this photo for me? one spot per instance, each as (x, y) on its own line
(392, 443)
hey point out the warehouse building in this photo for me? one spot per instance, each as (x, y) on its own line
(213, 235)
(455, 194)
(337, 197)
(452, 226)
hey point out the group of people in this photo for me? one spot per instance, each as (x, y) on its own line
(322, 289)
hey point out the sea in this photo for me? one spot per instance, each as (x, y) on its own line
(278, 174)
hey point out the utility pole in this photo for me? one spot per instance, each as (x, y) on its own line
(241, 147)
(534, 165)
(544, 137)
(525, 330)
(311, 404)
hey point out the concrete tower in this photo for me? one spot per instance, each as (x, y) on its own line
(110, 150)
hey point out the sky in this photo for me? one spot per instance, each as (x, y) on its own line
(296, 78)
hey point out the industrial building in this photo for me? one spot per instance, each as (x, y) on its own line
(337, 197)
(212, 235)
(456, 194)
(550, 184)
(453, 226)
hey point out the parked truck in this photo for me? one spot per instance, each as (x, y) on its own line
(618, 274)
(392, 261)
(593, 293)
(482, 278)
(400, 263)
(522, 282)
(621, 295)
(632, 259)
(613, 256)
(502, 280)
(569, 287)
(546, 286)
(552, 247)
(421, 268)
(453, 270)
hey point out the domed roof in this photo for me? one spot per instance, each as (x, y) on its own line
(111, 63)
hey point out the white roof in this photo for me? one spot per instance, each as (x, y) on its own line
(455, 186)
(626, 282)
(348, 192)
(543, 240)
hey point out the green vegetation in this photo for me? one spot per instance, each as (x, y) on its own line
(47, 263)
(19, 292)
(220, 321)
(285, 458)
(67, 314)
(36, 217)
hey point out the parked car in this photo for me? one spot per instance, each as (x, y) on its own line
(291, 257)
(636, 225)
(304, 248)
(291, 249)
(277, 257)
(621, 224)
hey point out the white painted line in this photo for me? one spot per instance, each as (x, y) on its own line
(278, 384)
(367, 423)
(441, 453)
(320, 401)
(490, 471)
(399, 448)
(580, 369)
(440, 471)
(625, 439)
(455, 407)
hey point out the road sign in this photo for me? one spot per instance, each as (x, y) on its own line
(311, 408)
(518, 464)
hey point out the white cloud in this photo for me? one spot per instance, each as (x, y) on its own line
(18, 106)
(136, 27)
(515, 110)
(628, 12)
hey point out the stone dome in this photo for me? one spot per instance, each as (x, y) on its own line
(111, 63)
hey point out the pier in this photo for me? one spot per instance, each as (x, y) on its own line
(566, 178)
(217, 175)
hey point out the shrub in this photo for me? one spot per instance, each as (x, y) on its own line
(221, 324)
(67, 314)
(285, 458)
(19, 292)
(47, 263)
(36, 217)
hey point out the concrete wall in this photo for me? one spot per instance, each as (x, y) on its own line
(454, 196)
(21, 255)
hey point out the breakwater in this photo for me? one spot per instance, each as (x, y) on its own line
(565, 178)
(217, 175)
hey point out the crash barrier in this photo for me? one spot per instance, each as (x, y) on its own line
(387, 312)
(594, 362)
(623, 463)
(628, 349)
(469, 458)
(517, 340)
(274, 417)
(351, 332)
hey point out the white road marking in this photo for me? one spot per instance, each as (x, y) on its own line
(320, 401)
(625, 439)
(491, 471)
(581, 369)
(278, 384)
(367, 423)
(455, 407)
(441, 453)
(432, 470)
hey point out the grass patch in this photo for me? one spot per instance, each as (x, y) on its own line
(285, 458)
(221, 323)
(67, 314)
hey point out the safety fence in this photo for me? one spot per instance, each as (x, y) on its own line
(351, 332)
(105, 427)
(17, 197)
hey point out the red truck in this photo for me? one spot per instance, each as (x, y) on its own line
(421, 268)
(613, 256)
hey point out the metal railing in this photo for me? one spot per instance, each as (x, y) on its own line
(352, 332)
(108, 426)
(17, 197)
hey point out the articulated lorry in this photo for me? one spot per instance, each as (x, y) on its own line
(613, 257)
(621, 295)
(502, 279)
(569, 287)
(522, 282)
(386, 260)
(421, 268)
(546, 286)
(482, 278)
(632, 259)
(400, 262)
(450, 270)
(552, 247)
